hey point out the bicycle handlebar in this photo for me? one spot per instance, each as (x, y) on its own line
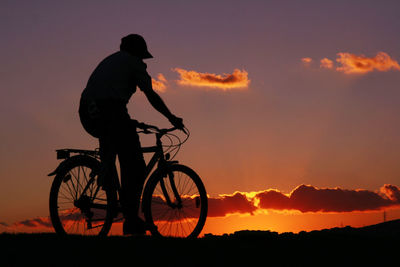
(146, 127)
(172, 147)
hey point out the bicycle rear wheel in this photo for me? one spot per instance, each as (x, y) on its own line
(175, 203)
(77, 204)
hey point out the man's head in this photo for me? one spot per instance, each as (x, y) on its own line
(135, 45)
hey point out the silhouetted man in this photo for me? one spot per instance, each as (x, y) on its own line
(104, 115)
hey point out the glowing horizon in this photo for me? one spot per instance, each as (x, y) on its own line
(319, 201)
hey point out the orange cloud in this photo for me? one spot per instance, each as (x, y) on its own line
(351, 63)
(160, 84)
(326, 63)
(392, 192)
(306, 61)
(238, 79)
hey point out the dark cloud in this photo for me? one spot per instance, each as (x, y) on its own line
(225, 204)
(4, 224)
(273, 199)
(36, 222)
(306, 198)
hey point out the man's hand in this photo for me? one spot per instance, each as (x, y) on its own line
(177, 122)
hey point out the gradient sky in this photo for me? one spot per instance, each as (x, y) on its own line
(294, 123)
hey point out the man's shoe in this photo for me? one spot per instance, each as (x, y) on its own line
(134, 226)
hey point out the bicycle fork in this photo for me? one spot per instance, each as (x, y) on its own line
(178, 202)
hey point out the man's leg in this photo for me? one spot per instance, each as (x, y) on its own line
(132, 173)
(108, 170)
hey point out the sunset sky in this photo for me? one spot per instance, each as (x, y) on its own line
(293, 106)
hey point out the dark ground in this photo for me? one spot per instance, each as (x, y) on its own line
(376, 245)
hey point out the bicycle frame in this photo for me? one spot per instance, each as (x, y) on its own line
(158, 157)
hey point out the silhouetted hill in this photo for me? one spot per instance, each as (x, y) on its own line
(390, 229)
(367, 246)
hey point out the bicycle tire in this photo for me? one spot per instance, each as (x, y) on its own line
(186, 221)
(65, 215)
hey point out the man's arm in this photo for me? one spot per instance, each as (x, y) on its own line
(156, 101)
(144, 82)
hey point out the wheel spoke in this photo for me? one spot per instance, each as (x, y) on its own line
(181, 219)
(78, 212)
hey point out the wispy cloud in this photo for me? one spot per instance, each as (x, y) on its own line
(326, 63)
(306, 61)
(238, 79)
(159, 84)
(351, 63)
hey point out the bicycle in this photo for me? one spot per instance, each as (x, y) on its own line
(174, 200)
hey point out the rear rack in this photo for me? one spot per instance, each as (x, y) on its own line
(66, 152)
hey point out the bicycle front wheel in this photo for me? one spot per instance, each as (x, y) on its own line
(77, 204)
(175, 203)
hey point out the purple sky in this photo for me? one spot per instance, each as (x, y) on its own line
(294, 124)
